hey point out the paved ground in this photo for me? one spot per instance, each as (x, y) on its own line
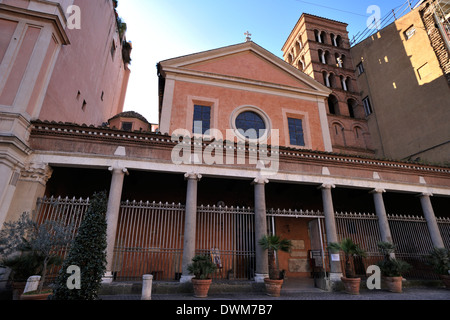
(434, 294)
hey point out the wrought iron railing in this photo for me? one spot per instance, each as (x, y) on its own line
(150, 236)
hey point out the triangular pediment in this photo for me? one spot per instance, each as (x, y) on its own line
(246, 61)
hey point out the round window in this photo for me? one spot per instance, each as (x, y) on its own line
(251, 125)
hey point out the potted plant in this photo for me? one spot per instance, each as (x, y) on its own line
(201, 267)
(22, 265)
(35, 242)
(351, 250)
(392, 269)
(272, 244)
(439, 259)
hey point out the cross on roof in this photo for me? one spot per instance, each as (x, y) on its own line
(248, 36)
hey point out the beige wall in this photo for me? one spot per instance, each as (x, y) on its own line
(408, 91)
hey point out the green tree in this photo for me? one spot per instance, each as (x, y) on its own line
(272, 244)
(201, 267)
(29, 247)
(351, 250)
(389, 266)
(88, 252)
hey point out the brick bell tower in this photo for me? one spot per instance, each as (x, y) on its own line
(320, 48)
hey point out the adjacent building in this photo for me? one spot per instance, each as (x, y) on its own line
(403, 72)
(59, 63)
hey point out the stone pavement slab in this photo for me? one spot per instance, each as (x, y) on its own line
(430, 294)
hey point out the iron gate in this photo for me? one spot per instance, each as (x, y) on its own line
(150, 237)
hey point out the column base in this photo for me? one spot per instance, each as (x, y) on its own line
(335, 282)
(186, 279)
(108, 277)
(259, 277)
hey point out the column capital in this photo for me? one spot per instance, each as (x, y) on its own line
(377, 190)
(192, 176)
(36, 172)
(260, 181)
(425, 194)
(118, 170)
(327, 186)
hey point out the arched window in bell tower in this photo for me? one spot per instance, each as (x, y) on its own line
(333, 105)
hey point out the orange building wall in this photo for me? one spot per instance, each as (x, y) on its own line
(247, 65)
(229, 99)
(295, 262)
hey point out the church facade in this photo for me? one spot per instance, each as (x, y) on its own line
(245, 147)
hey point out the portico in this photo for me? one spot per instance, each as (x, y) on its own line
(327, 174)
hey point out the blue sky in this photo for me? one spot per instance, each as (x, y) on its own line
(164, 29)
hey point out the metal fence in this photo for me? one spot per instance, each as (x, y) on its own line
(65, 210)
(409, 233)
(150, 237)
(228, 233)
(149, 241)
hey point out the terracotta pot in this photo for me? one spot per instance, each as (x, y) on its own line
(446, 280)
(201, 287)
(273, 287)
(41, 296)
(351, 285)
(394, 284)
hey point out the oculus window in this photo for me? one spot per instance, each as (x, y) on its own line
(296, 135)
(251, 125)
(202, 119)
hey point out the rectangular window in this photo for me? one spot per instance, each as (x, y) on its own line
(296, 132)
(410, 32)
(202, 119)
(367, 106)
(360, 68)
(113, 49)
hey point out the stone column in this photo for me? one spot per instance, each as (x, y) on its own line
(428, 212)
(190, 225)
(385, 231)
(330, 228)
(261, 258)
(112, 216)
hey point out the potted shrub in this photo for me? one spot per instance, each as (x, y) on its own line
(439, 259)
(35, 242)
(201, 267)
(272, 244)
(351, 250)
(22, 265)
(392, 269)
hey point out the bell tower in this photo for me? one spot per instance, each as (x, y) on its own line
(320, 48)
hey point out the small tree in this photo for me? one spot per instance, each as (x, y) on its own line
(27, 241)
(351, 250)
(201, 267)
(389, 266)
(272, 244)
(439, 259)
(88, 252)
